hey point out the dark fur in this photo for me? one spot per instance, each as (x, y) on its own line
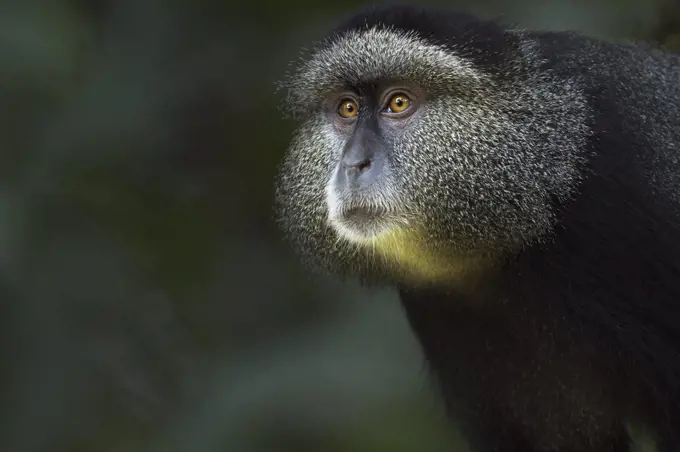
(483, 42)
(576, 337)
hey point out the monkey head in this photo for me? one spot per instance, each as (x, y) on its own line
(418, 159)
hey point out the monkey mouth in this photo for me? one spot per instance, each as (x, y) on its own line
(360, 218)
(362, 222)
(363, 214)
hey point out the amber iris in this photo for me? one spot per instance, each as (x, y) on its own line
(348, 108)
(399, 102)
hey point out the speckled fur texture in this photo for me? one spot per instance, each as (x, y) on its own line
(471, 173)
(553, 153)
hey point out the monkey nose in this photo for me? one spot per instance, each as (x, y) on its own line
(360, 173)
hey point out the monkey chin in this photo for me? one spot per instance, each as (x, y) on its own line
(404, 250)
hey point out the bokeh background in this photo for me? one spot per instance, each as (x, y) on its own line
(147, 301)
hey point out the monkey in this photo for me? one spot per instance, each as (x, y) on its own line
(520, 190)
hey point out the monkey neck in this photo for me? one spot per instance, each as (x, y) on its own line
(411, 257)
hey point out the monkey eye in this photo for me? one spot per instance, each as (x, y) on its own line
(399, 103)
(348, 108)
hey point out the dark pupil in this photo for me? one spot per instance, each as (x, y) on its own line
(350, 108)
(399, 101)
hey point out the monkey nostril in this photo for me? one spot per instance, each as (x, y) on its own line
(364, 165)
(361, 165)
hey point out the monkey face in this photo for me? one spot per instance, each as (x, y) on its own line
(409, 160)
(363, 194)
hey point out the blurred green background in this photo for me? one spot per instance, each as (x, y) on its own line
(148, 302)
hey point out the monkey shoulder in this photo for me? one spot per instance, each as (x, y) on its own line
(633, 96)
